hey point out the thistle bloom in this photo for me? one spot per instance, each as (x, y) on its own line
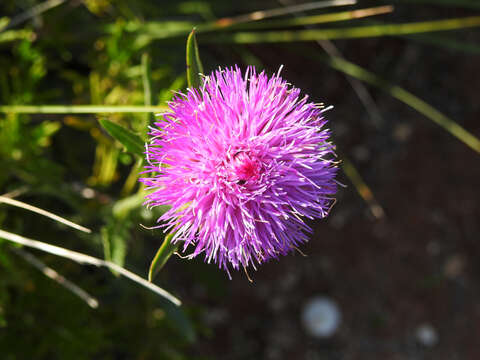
(241, 161)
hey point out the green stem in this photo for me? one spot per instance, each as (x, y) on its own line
(79, 109)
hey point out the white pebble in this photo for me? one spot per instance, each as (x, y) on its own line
(321, 317)
(426, 335)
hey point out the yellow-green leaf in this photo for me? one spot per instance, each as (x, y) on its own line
(132, 142)
(194, 65)
(163, 254)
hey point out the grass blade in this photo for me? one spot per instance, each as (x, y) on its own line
(33, 12)
(48, 214)
(264, 14)
(362, 188)
(194, 65)
(162, 255)
(87, 259)
(312, 20)
(147, 80)
(408, 98)
(78, 109)
(347, 33)
(17, 192)
(55, 276)
(132, 142)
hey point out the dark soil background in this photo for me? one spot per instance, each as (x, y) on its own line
(417, 265)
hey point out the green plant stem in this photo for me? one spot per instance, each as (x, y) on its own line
(79, 109)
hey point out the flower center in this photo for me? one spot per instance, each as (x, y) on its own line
(244, 168)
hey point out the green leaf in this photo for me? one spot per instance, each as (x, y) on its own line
(162, 255)
(194, 65)
(132, 142)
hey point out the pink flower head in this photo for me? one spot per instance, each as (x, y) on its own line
(241, 161)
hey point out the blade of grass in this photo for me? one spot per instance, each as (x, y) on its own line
(147, 80)
(408, 98)
(48, 214)
(161, 257)
(194, 65)
(346, 33)
(17, 192)
(310, 20)
(362, 188)
(147, 89)
(87, 259)
(79, 109)
(55, 276)
(32, 12)
(264, 14)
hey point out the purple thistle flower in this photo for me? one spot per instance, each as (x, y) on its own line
(241, 161)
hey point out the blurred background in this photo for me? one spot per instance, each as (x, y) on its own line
(392, 273)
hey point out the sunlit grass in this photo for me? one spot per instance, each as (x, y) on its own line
(346, 33)
(79, 109)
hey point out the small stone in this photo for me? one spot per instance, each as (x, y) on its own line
(321, 317)
(426, 335)
(454, 266)
(402, 132)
